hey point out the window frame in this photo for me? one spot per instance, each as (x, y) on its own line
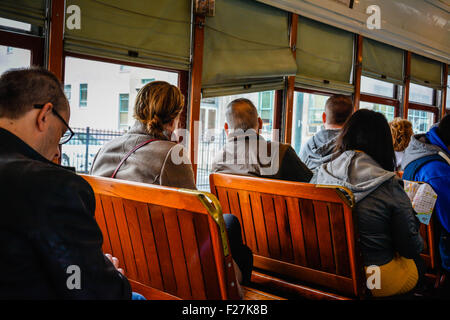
(35, 44)
(373, 98)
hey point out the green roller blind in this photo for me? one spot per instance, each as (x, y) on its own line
(426, 72)
(382, 61)
(150, 32)
(246, 49)
(28, 11)
(324, 56)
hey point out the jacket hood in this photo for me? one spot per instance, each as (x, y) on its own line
(319, 149)
(356, 171)
(422, 145)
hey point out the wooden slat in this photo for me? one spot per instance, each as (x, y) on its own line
(257, 215)
(222, 195)
(310, 232)
(340, 246)
(271, 226)
(204, 243)
(324, 237)
(235, 208)
(308, 275)
(191, 252)
(113, 232)
(151, 293)
(151, 253)
(162, 247)
(127, 249)
(247, 220)
(284, 231)
(136, 239)
(177, 253)
(296, 227)
(100, 218)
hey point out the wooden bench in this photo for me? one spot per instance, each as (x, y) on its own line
(303, 236)
(171, 243)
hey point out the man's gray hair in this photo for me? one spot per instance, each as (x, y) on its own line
(241, 114)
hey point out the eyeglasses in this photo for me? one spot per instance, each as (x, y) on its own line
(68, 134)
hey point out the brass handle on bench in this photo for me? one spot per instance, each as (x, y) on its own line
(350, 202)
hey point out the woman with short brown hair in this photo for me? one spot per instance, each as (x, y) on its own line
(146, 153)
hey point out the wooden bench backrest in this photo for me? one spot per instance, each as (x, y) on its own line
(168, 239)
(296, 230)
(429, 253)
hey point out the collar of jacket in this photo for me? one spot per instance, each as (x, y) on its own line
(9, 142)
(139, 128)
(240, 134)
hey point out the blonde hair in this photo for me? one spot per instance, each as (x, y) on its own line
(157, 104)
(402, 131)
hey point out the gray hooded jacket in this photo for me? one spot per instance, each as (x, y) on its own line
(319, 149)
(386, 220)
(418, 148)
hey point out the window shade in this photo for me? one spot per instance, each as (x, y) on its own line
(28, 11)
(246, 49)
(426, 72)
(382, 61)
(150, 32)
(324, 56)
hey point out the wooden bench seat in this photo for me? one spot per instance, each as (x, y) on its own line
(304, 233)
(297, 231)
(171, 243)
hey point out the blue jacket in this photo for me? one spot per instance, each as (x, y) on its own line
(435, 173)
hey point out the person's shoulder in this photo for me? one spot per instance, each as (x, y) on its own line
(52, 177)
(434, 170)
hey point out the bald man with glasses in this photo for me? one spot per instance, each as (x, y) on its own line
(48, 232)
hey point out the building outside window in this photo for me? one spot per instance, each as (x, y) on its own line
(265, 109)
(145, 81)
(68, 91)
(388, 111)
(83, 94)
(123, 110)
(307, 117)
(421, 120)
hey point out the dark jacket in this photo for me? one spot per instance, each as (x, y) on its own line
(386, 220)
(251, 155)
(47, 225)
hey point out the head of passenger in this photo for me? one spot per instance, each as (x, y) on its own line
(158, 107)
(241, 114)
(401, 130)
(338, 109)
(34, 108)
(444, 130)
(368, 131)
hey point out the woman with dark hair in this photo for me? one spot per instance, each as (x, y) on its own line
(387, 225)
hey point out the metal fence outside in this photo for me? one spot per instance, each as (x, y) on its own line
(80, 151)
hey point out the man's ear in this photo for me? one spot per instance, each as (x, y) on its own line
(225, 127)
(324, 117)
(43, 117)
(260, 124)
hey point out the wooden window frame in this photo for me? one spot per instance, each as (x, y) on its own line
(33, 43)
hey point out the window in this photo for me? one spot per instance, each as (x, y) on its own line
(83, 94)
(212, 120)
(15, 24)
(123, 68)
(421, 94)
(265, 109)
(145, 81)
(388, 111)
(13, 58)
(123, 110)
(377, 87)
(68, 91)
(307, 117)
(421, 120)
(111, 95)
